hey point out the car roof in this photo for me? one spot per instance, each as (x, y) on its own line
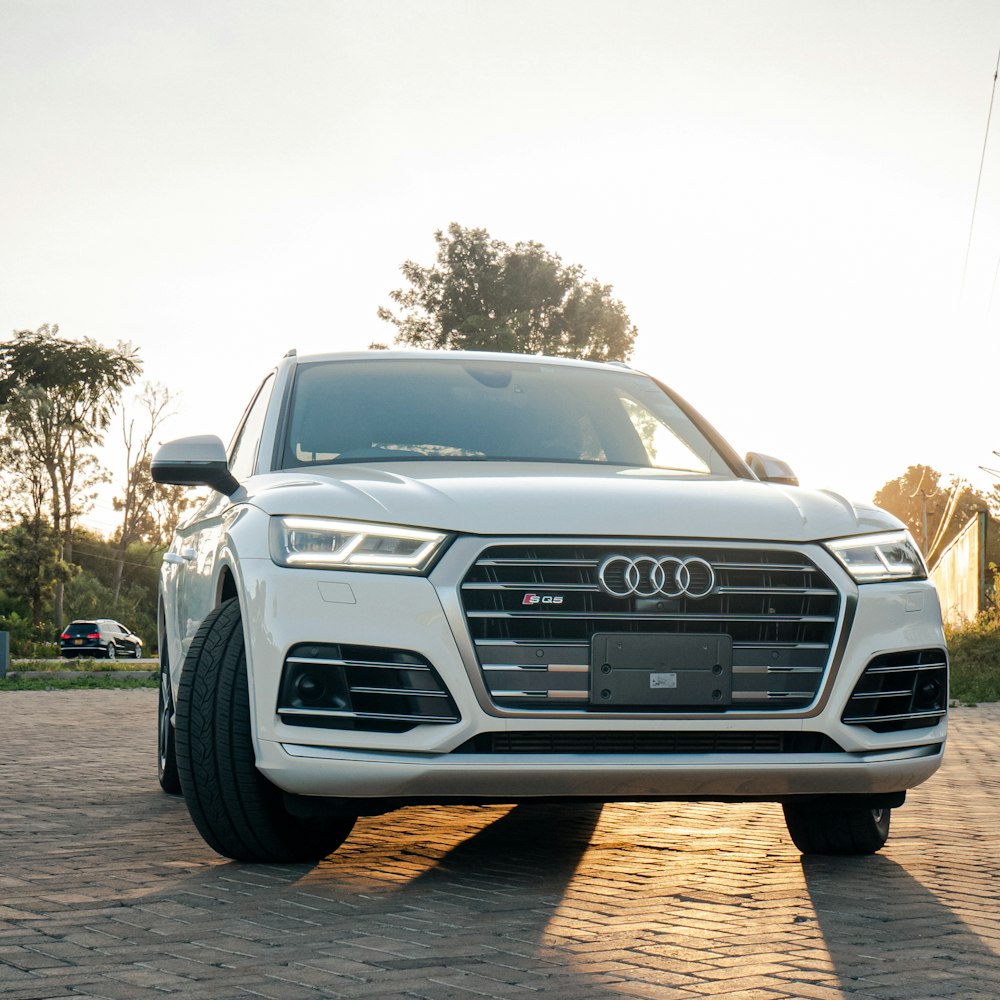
(457, 357)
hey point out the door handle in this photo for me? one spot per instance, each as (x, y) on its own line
(172, 557)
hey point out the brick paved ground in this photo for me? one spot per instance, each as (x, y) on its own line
(107, 891)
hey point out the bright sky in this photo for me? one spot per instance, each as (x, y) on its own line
(780, 191)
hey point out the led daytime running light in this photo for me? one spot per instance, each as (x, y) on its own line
(342, 544)
(880, 558)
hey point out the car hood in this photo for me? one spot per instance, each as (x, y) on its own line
(501, 498)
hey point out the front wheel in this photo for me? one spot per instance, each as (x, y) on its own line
(111, 650)
(235, 808)
(824, 827)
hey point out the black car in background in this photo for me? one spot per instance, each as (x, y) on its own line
(99, 637)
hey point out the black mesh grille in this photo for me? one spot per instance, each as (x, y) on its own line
(615, 742)
(532, 611)
(899, 691)
(367, 688)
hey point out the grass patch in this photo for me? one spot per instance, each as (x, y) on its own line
(57, 683)
(78, 663)
(974, 651)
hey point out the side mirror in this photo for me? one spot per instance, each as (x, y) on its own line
(194, 461)
(771, 470)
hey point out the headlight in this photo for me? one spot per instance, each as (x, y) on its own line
(878, 558)
(322, 543)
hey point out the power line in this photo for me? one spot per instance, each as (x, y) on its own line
(126, 562)
(979, 179)
(993, 289)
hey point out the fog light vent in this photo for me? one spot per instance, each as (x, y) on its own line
(364, 688)
(898, 691)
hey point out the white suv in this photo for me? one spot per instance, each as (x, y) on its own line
(444, 577)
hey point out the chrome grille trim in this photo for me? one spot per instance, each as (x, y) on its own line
(401, 692)
(585, 587)
(375, 664)
(624, 616)
(900, 669)
(902, 717)
(792, 591)
(555, 668)
(538, 563)
(593, 589)
(540, 694)
(382, 716)
(776, 670)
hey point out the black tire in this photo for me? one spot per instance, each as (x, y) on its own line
(166, 747)
(235, 808)
(137, 652)
(110, 654)
(823, 827)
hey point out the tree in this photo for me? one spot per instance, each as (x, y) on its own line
(167, 508)
(57, 397)
(138, 499)
(30, 565)
(483, 295)
(935, 512)
(90, 593)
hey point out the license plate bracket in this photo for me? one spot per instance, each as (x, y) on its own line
(633, 670)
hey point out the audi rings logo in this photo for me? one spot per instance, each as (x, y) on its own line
(651, 576)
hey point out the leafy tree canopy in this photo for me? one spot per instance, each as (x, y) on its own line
(934, 511)
(73, 382)
(57, 397)
(30, 565)
(483, 295)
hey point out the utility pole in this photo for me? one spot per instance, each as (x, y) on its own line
(924, 497)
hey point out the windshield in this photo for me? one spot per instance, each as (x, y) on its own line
(442, 410)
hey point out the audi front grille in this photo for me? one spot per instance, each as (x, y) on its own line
(534, 609)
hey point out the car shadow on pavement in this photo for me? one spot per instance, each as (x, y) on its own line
(883, 928)
(472, 916)
(541, 844)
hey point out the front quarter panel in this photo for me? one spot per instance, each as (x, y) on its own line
(199, 543)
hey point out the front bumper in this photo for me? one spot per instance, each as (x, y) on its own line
(286, 607)
(313, 770)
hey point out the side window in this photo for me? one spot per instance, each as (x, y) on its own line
(243, 454)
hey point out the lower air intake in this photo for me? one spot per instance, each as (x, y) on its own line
(362, 688)
(899, 691)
